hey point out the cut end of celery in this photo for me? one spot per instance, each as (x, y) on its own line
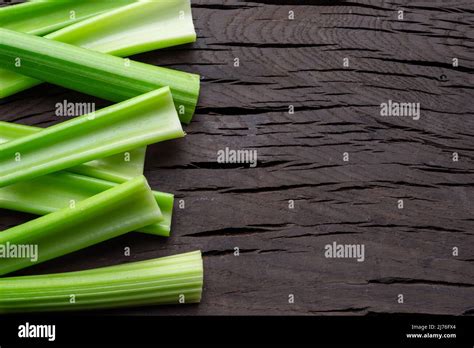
(187, 117)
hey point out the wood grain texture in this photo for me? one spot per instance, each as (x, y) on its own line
(300, 157)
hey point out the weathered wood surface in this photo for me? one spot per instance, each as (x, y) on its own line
(337, 110)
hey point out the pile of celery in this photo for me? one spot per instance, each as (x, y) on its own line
(84, 176)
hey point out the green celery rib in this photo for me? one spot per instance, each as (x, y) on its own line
(136, 28)
(111, 213)
(93, 73)
(52, 192)
(132, 29)
(112, 168)
(115, 168)
(143, 120)
(167, 280)
(43, 17)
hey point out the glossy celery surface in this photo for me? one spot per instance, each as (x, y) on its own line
(43, 17)
(52, 192)
(121, 209)
(143, 120)
(136, 28)
(117, 168)
(98, 74)
(176, 279)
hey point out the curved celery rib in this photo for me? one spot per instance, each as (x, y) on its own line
(136, 28)
(117, 168)
(167, 280)
(43, 17)
(52, 192)
(132, 29)
(121, 209)
(93, 73)
(143, 120)
(49, 193)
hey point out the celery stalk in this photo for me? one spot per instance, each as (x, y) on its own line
(135, 28)
(121, 209)
(52, 192)
(117, 168)
(43, 17)
(167, 280)
(49, 193)
(93, 73)
(139, 121)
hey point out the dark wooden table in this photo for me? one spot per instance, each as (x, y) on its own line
(299, 62)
